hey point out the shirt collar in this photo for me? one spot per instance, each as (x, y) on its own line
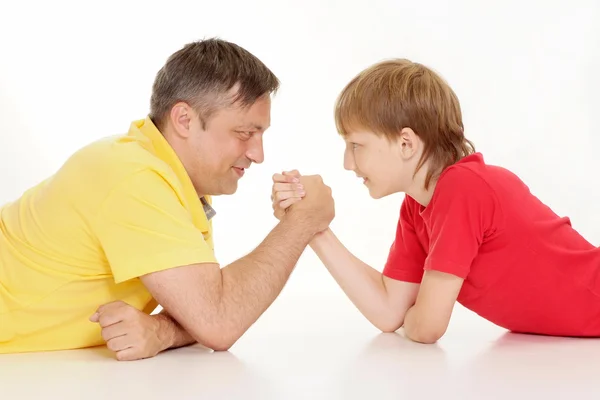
(147, 131)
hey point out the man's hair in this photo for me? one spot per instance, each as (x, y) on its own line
(202, 72)
(396, 94)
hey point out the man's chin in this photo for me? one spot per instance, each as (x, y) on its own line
(229, 189)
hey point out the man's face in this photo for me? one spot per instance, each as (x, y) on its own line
(217, 155)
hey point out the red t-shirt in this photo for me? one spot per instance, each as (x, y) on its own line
(525, 268)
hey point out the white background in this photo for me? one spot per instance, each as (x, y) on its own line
(526, 73)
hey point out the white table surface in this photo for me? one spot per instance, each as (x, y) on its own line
(316, 347)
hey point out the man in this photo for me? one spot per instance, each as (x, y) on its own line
(126, 223)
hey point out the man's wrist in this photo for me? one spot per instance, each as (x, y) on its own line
(294, 221)
(165, 330)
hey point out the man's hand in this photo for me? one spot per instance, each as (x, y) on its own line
(128, 332)
(318, 206)
(287, 190)
(317, 209)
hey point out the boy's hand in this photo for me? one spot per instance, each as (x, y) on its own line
(128, 332)
(287, 190)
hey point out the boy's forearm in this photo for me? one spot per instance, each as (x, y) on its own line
(362, 284)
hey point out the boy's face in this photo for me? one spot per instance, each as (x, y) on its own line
(386, 166)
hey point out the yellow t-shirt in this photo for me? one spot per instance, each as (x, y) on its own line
(119, 208)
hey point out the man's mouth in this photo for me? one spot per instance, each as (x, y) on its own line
(239, 170)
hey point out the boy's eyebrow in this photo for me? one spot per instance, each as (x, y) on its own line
(251, 126)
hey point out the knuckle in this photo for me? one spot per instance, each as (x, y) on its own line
(129, 312)
(111, 345)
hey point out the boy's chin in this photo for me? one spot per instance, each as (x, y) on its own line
(377, 194)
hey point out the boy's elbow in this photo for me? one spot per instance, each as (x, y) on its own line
(426, 335)
(388, 328)
(389, 325)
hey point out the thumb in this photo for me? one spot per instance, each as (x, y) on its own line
(293, 172)
(95, 317)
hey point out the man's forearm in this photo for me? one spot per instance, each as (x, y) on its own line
(362, 284)
(253, 282)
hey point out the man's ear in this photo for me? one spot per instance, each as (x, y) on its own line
(181, 116)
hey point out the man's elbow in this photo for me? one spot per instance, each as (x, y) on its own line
(221, 346)
(217, 340)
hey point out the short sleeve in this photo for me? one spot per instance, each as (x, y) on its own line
(458, 219)
(407, 256)
(143, 227)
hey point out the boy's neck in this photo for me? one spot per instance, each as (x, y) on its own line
(417, 190)
(422, 196)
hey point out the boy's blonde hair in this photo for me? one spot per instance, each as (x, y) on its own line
(396, 94)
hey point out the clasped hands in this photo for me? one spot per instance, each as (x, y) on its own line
(289, 187)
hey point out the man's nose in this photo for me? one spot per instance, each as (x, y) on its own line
(255, 149)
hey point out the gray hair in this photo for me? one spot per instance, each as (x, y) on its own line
(202, 72)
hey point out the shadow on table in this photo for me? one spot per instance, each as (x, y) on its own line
(508, 366)
(518, 364)
(189, 372)
(392, 366)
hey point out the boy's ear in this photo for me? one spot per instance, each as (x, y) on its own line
(409, 143)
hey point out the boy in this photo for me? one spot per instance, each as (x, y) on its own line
(467, 232)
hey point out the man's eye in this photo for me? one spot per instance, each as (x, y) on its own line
(245, 135)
